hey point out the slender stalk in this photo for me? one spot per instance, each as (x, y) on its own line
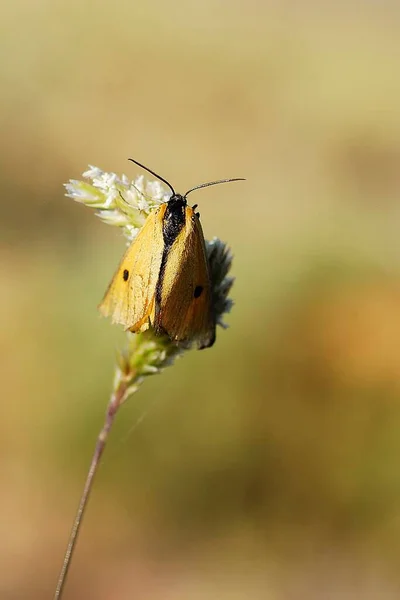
(117, 398)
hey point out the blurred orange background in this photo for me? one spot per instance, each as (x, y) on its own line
(267, 467)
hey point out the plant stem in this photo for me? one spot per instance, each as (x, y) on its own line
(117, 398)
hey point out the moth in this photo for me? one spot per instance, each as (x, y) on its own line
(163, 279)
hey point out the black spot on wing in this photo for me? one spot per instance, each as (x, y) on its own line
(198, 291)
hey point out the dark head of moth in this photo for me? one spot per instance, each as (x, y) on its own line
(165, 275)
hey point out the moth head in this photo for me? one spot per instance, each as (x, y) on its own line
(177, 201)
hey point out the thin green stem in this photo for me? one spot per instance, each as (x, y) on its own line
(117, 398)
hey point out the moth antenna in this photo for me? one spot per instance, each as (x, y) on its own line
(155, 174)
(203, 185)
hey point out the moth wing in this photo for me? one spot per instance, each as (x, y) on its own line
(130, 297)
(184, 310)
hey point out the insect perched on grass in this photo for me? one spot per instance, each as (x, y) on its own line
(163, 280)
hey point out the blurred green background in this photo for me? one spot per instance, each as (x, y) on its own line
(267, 467)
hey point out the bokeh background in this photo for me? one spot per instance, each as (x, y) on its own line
(267, 467)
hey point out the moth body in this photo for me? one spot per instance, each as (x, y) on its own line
(163, 279)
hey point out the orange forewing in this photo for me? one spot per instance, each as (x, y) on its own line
(185, 310)
(129, 299)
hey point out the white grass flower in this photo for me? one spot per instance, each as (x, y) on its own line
(118, 200)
